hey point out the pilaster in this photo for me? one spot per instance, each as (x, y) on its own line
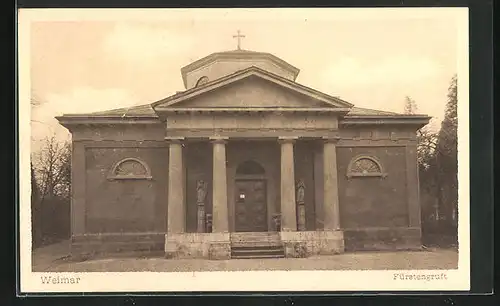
(412, 185)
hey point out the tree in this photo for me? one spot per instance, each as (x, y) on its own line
(410, 106)
(426, 138)
(426, 148)
(427, 165)
(438, 167)
(53, 169)
(447, 157)
(35, 209)
(51, 196)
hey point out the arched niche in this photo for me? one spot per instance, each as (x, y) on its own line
(130, 169)
(365, 166)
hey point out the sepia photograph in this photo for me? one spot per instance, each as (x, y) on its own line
(178, 144)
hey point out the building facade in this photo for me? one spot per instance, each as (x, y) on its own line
(245, 162)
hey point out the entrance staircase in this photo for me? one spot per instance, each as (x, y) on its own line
(256, 245)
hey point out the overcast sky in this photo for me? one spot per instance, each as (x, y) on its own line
(372, 60)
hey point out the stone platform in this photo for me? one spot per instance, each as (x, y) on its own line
(310, 243)
(222, 245)
(198, 245)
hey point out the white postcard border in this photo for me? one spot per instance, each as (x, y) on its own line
(253, 280)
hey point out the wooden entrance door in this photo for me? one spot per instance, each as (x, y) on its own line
(251, 206)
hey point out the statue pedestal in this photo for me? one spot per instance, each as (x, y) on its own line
(201, 217)
(301, 220)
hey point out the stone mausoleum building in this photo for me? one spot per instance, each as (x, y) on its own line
(245, 162)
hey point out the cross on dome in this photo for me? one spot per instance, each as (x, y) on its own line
(239, 36)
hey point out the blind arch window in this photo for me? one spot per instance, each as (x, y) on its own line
(365, 166)
(130, 168)
(203, 80)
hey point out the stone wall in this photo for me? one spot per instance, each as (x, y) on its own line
(375, 212)
(382, 239)
(125, 205)
(373, 201)
(89, 245)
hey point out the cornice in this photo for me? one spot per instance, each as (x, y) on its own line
(254, 110)
(418, 120)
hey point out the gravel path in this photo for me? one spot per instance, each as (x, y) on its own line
(430, 259)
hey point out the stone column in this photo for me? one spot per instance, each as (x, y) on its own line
(288, 205)
(220, 218)
(331, 212)
(176, 203)
(78, 189)
(218, 243)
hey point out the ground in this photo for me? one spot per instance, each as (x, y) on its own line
(55, 258)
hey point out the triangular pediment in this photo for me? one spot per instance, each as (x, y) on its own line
(251, 88)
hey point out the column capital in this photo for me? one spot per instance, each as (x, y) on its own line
(218, 139)
(331, 139)
(176, 140)
(287, 139)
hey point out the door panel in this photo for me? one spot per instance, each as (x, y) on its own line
(251, 206)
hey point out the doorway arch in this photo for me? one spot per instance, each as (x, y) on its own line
(250, 168)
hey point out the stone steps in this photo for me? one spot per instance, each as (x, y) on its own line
(260, 236)
(258, 252)
(257, 256)
(256, 245)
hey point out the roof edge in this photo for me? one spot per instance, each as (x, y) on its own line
(72, 120)
(395, 116)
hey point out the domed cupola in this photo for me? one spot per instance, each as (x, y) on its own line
(220, 64)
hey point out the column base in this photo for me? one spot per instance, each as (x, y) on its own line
(198, 245)
(310, 243)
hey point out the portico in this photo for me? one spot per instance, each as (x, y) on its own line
(256, 131)
(226, 195)
(279, 207)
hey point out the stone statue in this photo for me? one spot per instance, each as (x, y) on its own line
(201, 191)
(300, 191)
